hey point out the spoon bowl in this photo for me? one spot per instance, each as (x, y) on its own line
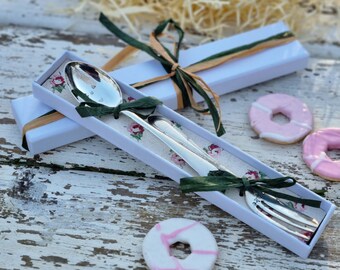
(93, 82)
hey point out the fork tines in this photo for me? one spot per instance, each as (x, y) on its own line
(278, 213)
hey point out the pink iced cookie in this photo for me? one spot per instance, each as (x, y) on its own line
(262, 111)
(315, 147)
(156, 245)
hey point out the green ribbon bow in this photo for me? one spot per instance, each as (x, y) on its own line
(221, 181)
(143, 107)
(184, 78)
(180, 78)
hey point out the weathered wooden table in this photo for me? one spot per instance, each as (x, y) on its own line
(89, 204)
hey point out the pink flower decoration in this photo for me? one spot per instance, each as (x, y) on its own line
(253, 175)
(57, 80)
(57, 83)
(300, 207)
(177, 160)
(129, 99)
(214, 150)
(136, 131)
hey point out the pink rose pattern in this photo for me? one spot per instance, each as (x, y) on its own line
(252, 175)
(297, 206)
(136, 131)
(177, 159)
(213, 150)
(57, 82)
(300, 207)
(129, 99)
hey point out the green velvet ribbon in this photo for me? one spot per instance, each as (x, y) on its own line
(143, 107)
(221, 181)
(179, 74)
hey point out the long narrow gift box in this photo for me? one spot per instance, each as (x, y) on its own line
(141, 144)
(228, 77)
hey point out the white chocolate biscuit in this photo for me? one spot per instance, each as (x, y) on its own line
(157, 242)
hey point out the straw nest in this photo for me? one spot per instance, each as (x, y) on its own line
(213, 19)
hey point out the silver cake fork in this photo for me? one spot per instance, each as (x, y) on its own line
(266, 206)
(278, 213)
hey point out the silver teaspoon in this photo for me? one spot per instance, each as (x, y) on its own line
(101, 88)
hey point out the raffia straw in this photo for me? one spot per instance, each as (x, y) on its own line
(219, 18)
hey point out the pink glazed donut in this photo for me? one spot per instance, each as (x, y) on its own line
(262, 111)
(315, 147)
(157, 242)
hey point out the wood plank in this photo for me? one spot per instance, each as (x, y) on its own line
(73, 218)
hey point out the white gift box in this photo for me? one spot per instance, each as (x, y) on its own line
(123, 134)
(228, 77)
(223, 79)
(47, 137)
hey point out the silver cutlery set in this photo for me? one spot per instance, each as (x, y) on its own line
(101, 88)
